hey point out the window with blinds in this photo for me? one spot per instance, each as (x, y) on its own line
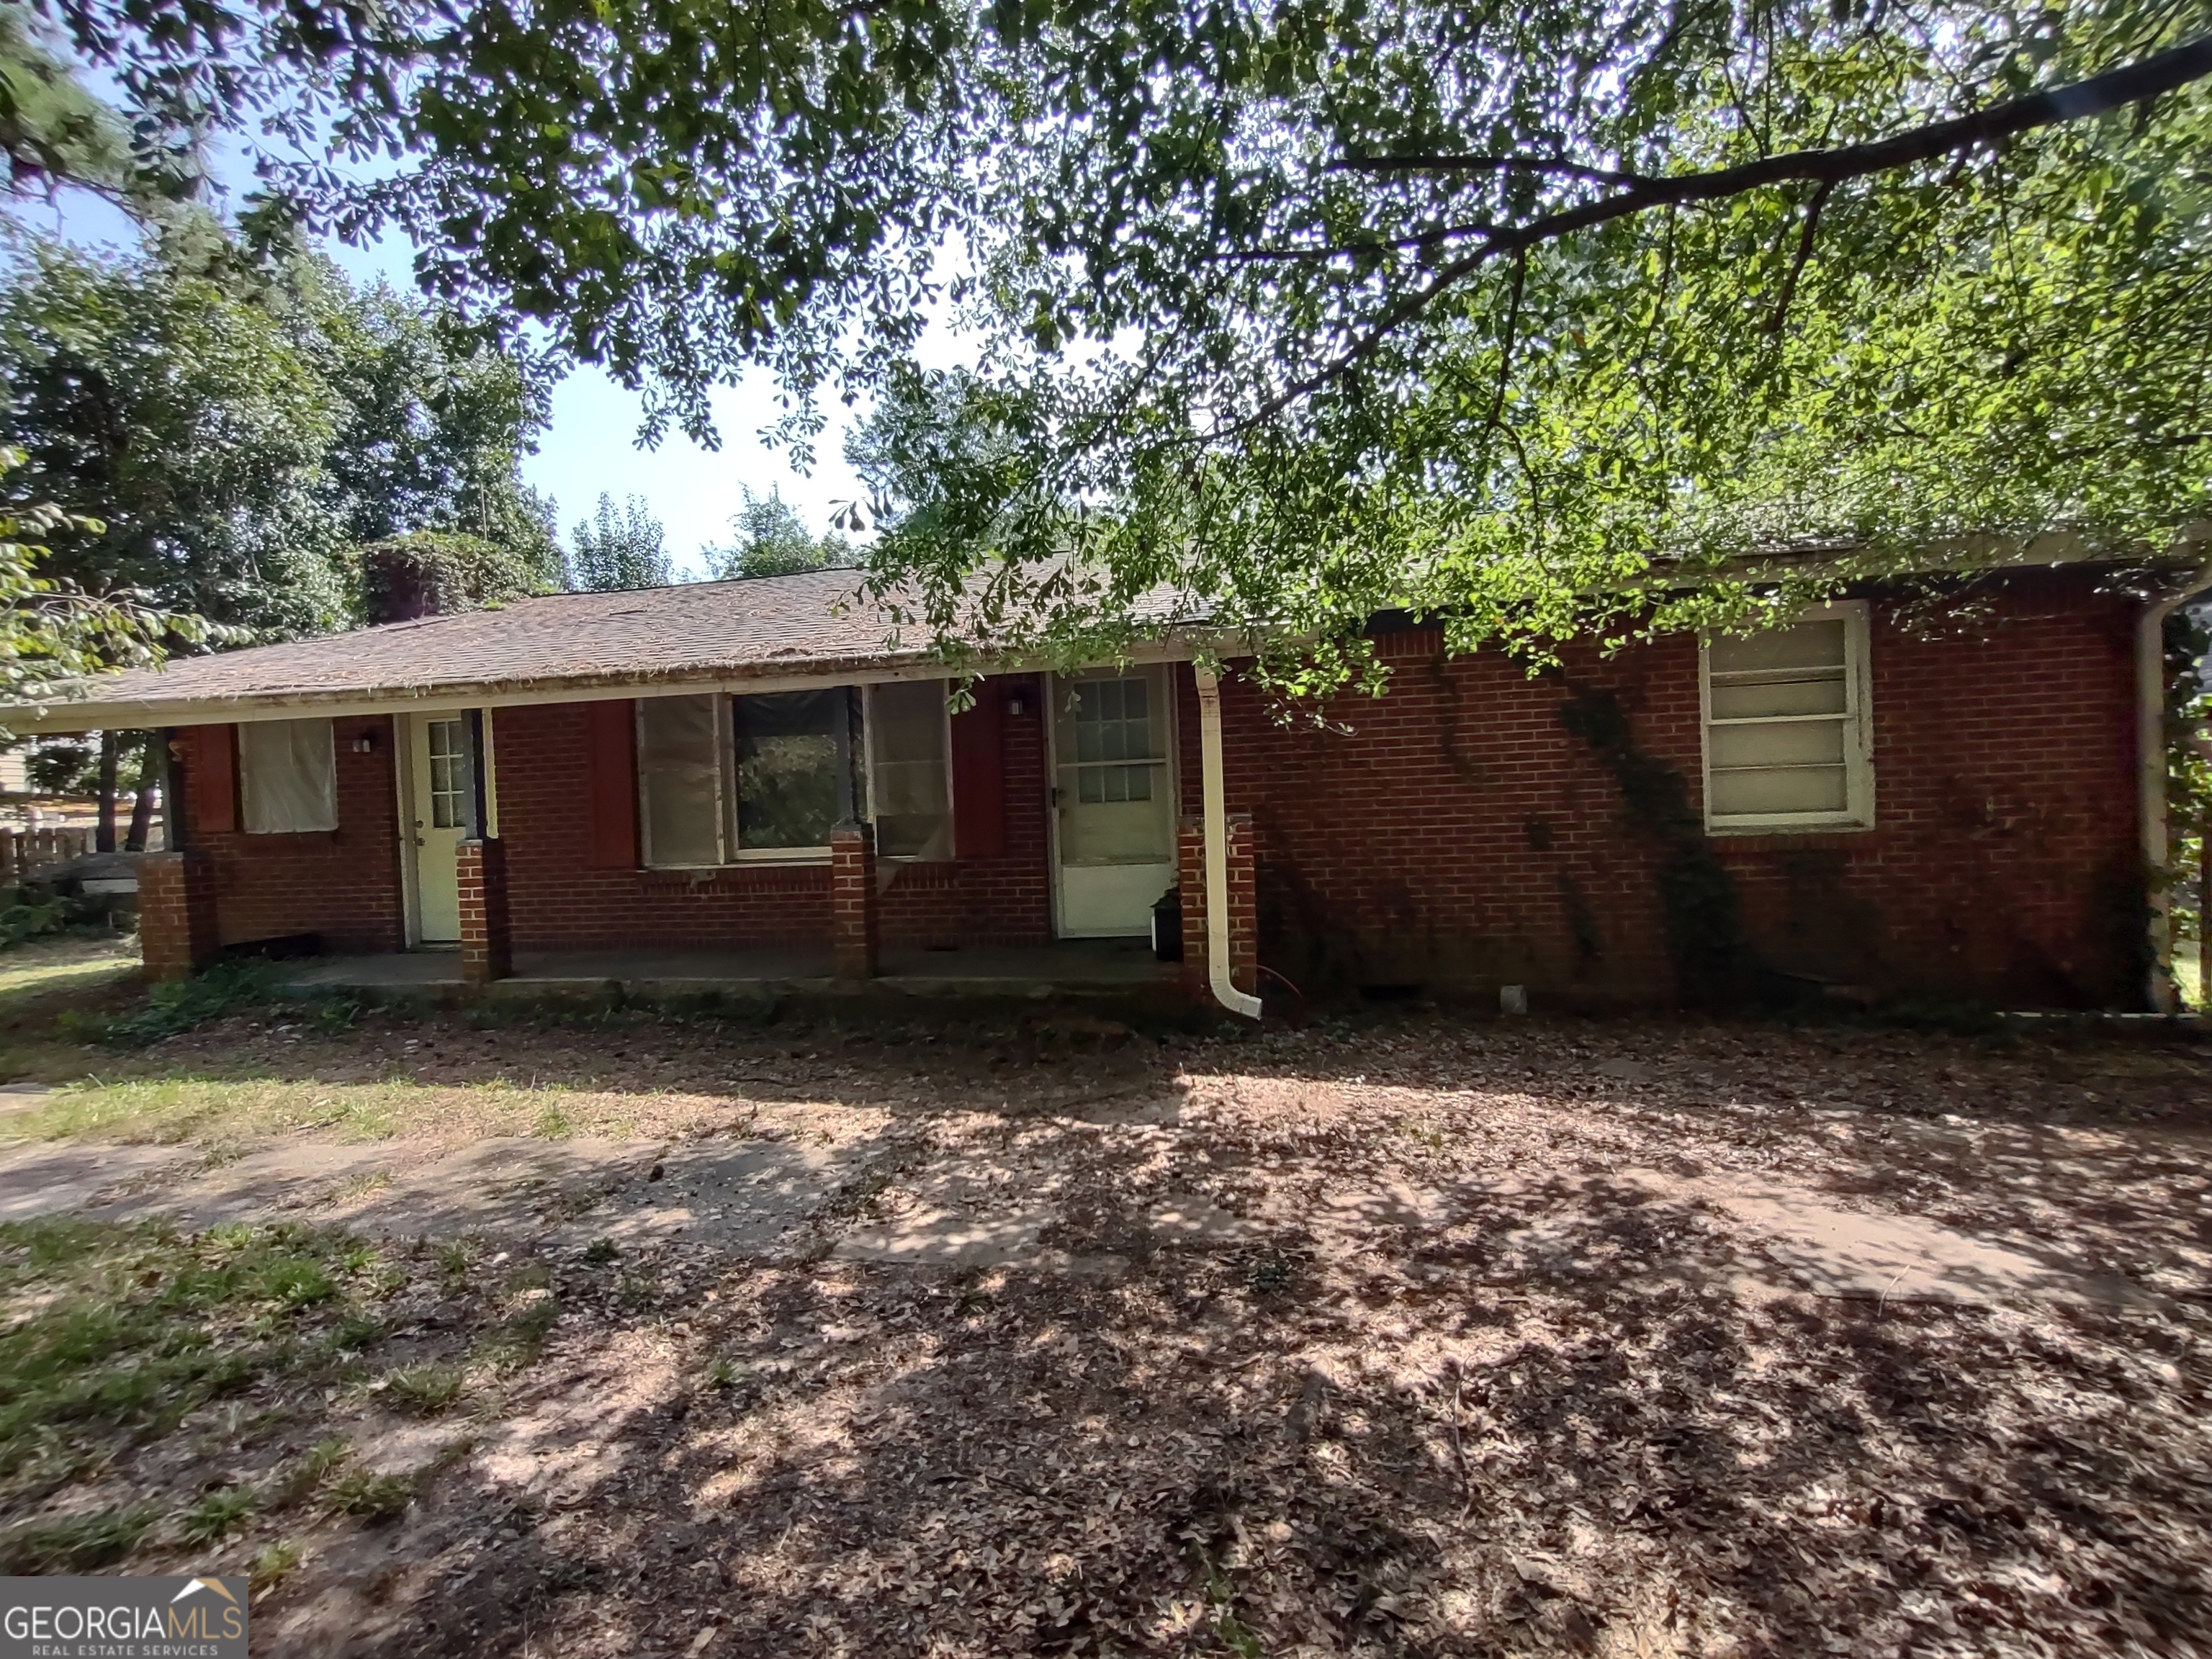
(1788, 729)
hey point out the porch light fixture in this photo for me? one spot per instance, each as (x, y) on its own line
(1017, 705)
(365, 743)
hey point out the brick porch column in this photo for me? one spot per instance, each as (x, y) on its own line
(1190, 881)
(487, 946)
(176, 914)
(1244, 914)
(1243, 907)
(852, 899)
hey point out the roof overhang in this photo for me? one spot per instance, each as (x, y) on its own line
(92, 713)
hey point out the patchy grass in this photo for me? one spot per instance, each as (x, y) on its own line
(71, 968)
(216, 1110)
(425, 1390)
(275, 1562)
(74, 1543)
(1477, 1363)
(162, 1390)
(118, 1332)
(218, 1515)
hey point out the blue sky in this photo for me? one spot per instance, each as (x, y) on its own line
(592, 446)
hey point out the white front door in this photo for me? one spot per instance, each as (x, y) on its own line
(1115, 794)
(438, 767)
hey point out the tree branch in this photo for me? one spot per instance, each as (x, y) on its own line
(1487, 164)
(1804, 252)
(2100, 93)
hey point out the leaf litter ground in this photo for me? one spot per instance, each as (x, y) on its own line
(1411, 1337)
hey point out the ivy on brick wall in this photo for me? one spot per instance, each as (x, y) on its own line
(1700, 915)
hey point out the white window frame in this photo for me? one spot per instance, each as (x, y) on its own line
(734, 849)
(1859, 812)
(730, 853)
(868, 743)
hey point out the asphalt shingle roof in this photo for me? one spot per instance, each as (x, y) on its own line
(817, 624)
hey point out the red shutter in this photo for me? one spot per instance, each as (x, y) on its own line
(210, 779)
(610, 753)
(978, 775)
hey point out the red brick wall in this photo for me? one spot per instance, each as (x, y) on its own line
(1457, 835)
(340, 883)
(558, 900)
(176, 914)
(480, 883)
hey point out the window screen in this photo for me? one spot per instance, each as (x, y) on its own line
(789, 747)
(912, 797)
(288, 777)
(1785, 711)
(679, 763)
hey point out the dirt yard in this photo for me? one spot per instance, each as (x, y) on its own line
(1401, 1335)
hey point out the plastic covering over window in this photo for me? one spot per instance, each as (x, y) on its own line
(912, 795)
(789, 747)
(680, 761)
(288, 777)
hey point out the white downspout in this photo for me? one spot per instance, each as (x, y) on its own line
(2150, 756)
(1217, 849)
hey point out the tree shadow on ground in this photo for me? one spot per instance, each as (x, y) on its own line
(1404, 1451)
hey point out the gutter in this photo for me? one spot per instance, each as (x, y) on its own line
(1217, 849)
(2150, 761)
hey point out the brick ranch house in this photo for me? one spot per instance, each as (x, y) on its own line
(1863, 804)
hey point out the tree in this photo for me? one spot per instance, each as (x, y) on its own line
(435, 419)
(615, 552)
(52, 631)
(195, 422)
(239, 418)
(1539, 316)
(773, 541)
(56, 133)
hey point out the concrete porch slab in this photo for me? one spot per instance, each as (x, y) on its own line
(1075, 967)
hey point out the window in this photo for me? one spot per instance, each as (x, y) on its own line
(1111, 741)
(1789, 732)
(724, 779)
(790, 747)
(288, 777)
(449, 775)
(680, 744)
(908, 743)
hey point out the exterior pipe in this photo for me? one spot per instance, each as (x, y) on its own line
(2150, 754)
(1217, 849)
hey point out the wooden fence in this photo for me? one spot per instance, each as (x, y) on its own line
(23, 851)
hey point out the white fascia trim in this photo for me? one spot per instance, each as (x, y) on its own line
(62, 715)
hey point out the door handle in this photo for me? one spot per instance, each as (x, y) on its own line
(418, 840)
